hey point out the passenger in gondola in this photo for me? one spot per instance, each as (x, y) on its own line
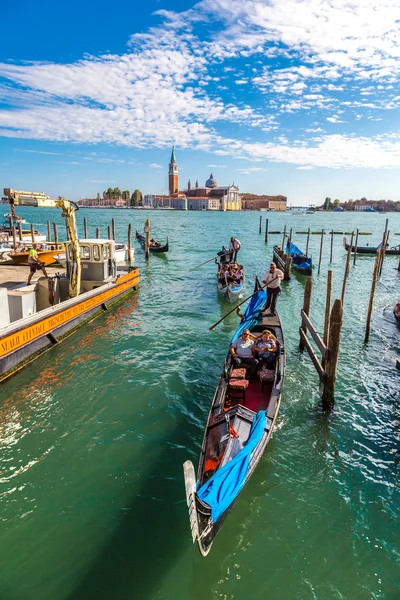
(239, 274)
(266, 348)
(242, 352)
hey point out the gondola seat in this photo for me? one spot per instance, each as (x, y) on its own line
(238, 373)
(237, 390)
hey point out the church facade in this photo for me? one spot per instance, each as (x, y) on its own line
(210, 197)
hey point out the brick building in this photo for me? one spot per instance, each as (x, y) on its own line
(256, 202)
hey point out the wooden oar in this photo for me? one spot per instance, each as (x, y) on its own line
(237, 306)
(209, 260)
(240, 304)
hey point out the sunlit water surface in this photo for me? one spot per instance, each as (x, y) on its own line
(94, 433)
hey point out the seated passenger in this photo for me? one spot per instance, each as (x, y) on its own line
(239, 274)
(266, 348)
(242, 352)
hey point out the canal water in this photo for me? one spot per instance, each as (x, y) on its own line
(94, 434)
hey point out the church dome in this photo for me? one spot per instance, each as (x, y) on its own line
(211, 182)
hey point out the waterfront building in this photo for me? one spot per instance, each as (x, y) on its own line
(257, 202)
(210, 197)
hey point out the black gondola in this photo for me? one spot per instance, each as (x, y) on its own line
(300, 262)
(157, 248)
(237, 432)
(395, 251)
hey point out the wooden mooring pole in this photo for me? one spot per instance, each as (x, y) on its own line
(147, 232)
(371, 296)
(48, 231)
(335, 328)
(346, 271)
(33, 233)
(85, 231)
(290, 235)
(260, 224)
(114, 235)
(21, 237)
(266, 230)
(320, 251)
(355, 248)
(130, 242)
(14, 237)
(55, 231)
(97, 233)
(331, 256)
(383, 251)
(308, 241)
(328, 307)
(109, 233)
(284, 236)
(306, 307)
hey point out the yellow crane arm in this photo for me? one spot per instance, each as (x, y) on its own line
(68, 212)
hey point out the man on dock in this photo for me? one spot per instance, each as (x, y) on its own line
(272, 280)
(34, 263)
(234, 247)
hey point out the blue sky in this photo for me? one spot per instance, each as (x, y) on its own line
(282, 96)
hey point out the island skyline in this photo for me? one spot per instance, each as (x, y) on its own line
(297, 100)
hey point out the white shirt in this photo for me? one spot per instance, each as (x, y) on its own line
(243, 348)
(235, 245)
(271, 279)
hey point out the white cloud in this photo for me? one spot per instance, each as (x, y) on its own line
(156, 166)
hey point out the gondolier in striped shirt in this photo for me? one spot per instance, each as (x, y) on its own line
(272, 279)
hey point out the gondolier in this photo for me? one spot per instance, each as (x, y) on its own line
(272, 280)
(234, 247)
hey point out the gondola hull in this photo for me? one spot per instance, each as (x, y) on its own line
(153, 249)
(371, 249)
(232, 291)
(301, 263)
(236, 436)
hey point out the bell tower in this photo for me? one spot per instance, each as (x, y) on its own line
(173, 174)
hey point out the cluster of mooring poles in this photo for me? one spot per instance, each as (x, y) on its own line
(329, 345)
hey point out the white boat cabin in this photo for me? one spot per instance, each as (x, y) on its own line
(98, 259)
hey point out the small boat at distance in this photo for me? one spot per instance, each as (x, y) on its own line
(156, 247)
(236, 434)
(395, 251)
(300, 262)
(15, 218)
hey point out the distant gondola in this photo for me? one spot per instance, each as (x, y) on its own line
(395, 251)
(236, 434)
(300, 262)
(231, 290)
(157, 248)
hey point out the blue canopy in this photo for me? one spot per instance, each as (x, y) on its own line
(252, 313)
(297, 255)
(224, 486)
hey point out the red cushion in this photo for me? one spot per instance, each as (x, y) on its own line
(266, 375)
(238, 374)
(239, 384)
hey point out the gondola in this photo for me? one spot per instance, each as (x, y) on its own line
(300, 262)
(158, 248)
(395, 251)
(231, 290)
(237, 432)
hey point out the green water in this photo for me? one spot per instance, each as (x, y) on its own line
(94, 434)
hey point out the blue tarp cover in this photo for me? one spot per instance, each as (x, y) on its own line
(294, 251)
(252, 313)
(223, 487)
